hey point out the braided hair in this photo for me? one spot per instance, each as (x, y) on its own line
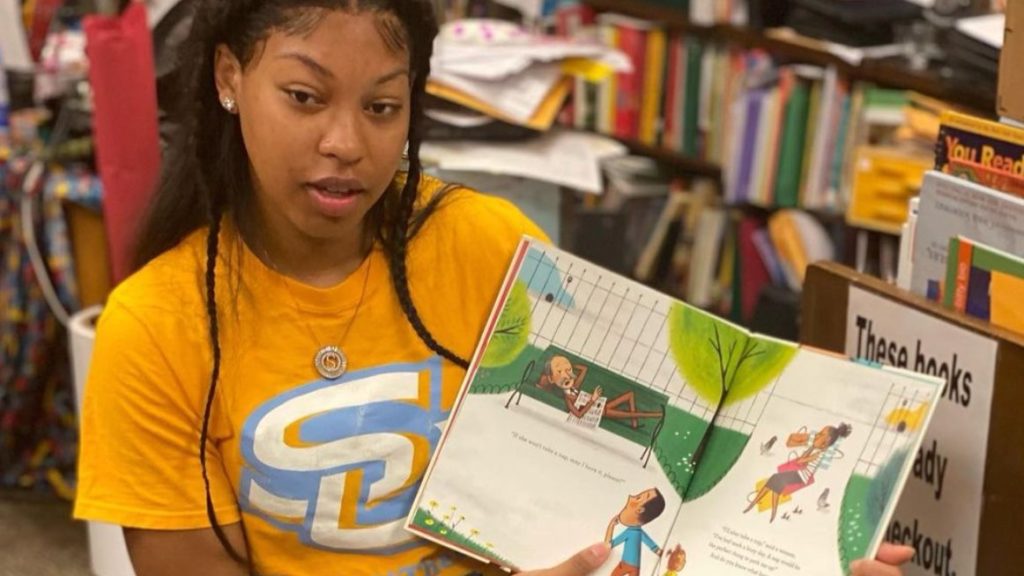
(196, 192)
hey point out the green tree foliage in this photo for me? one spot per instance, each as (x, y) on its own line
(717, 358)
(513, 329)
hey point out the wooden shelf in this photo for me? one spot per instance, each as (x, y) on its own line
(680, 163)
(888, 73)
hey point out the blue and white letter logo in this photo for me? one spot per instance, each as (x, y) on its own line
(338, 462)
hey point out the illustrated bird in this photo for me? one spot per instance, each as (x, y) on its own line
(823, 501)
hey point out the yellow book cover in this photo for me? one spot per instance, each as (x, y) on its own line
(988, 153)
(654, 82)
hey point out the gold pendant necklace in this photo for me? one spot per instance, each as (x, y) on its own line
(330, 361)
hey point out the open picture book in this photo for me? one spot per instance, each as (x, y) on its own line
(596, 408)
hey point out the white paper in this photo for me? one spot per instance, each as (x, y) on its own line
(565, 158)
(988, 29)
(516, 96)
(490, 50)
(941, 517)
(495, 61)
(14, 51)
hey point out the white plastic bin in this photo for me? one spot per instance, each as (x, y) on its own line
(108, 555)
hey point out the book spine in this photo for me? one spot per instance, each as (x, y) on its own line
(670, 125)
(963, 273)
(633, 43)
(653, 82)
(694, 59)
(608, 91)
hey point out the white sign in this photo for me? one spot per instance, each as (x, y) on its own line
(940, 511)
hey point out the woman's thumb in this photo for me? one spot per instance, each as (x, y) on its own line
(582, 563)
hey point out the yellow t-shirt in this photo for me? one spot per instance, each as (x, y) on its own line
(322, 472)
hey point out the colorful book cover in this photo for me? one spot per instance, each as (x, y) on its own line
(748, 152)
(989, 153)
(986, 283)
(595, 408)
(791, 150)
(950, 206)
(672, 135)
(632, 41)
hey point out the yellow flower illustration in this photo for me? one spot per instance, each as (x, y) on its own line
(430, 521)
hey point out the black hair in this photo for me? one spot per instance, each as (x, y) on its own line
(837, 432)
(206, 172)
(653, 508)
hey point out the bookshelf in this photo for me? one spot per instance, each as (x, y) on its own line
(678, 162)
(882, 72)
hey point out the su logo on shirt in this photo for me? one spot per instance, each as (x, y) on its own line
(351, 450)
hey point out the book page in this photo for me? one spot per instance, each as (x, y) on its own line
(830, 445)
(581, 414)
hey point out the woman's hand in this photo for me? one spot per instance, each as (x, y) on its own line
(890, 558)
(582, 564)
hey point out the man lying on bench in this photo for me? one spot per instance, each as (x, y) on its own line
(560, 373)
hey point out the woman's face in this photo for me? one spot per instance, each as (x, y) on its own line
(823, 439)
(325, 118)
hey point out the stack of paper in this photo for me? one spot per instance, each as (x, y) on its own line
(561, 157)
(499, 69)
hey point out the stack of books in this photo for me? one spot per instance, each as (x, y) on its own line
(966, 243)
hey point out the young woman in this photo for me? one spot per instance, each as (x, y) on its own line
(798, 472)
(267, 389)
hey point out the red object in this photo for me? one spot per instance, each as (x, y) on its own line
(39, 25)
(754, 274)
(633, 43)
(123, 79)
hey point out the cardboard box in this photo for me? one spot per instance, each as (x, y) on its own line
(1010, 102)
(90, 253)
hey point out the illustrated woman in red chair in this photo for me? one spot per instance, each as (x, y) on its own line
(798, 472)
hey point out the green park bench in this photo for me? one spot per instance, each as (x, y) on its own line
(612, 386)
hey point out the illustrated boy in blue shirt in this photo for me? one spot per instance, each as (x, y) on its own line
(639, 510)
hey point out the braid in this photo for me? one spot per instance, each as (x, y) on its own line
(396, 262)
(212, 238)
(399, 235)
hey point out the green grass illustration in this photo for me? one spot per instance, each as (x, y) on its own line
(426, 520)
(724, 448)
(854, 535)
(676, 445)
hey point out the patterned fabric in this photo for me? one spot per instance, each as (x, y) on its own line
(38, 429)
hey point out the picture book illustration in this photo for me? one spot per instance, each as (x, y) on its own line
(597, 408)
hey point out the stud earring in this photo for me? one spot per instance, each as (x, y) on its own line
(228, 103)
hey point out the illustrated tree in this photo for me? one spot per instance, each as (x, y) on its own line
(721, 362)
(512, 331)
